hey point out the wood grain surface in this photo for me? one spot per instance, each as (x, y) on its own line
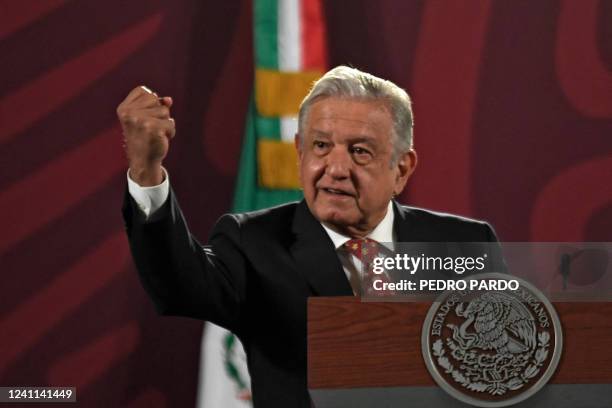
(363, 344)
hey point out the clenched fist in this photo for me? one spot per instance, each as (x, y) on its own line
(147, 130)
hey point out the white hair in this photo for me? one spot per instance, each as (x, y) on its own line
(347, 82)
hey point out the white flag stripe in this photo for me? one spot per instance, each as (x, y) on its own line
(289, 36)
(215, 389)
(288, 128)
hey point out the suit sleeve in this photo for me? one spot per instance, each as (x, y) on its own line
(181, 276)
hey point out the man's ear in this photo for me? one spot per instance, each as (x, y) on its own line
(297, 141)
(406, 164)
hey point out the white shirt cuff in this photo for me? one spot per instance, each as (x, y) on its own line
(149, 199)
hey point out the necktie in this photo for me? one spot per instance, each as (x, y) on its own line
(366, 249)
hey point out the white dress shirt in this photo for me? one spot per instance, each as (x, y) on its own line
(383, 234)
(150, 199)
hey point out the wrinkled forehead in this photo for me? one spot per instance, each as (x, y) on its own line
(371, 103)
(339, 116)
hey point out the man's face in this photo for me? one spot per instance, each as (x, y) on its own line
(345, 163)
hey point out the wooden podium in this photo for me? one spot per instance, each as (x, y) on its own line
(366, 354)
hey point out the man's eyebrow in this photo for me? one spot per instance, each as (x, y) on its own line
(356, 138)
(320, 133)
(362, 139)
(352, 139)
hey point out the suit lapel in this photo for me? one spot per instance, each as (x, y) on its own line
(316, 257)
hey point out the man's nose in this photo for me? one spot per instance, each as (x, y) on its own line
(338, 163)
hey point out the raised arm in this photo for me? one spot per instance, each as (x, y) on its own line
(181, 276)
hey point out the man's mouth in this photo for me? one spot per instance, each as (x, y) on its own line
(336, 191)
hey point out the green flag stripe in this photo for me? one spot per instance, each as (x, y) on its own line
(265, 14)
(248, 195)
(246, 182)
(267, 128)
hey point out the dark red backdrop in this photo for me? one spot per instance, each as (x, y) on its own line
(513, 105)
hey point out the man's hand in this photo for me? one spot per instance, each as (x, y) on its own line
(147, 130)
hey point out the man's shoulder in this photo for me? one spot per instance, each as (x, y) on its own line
(437, 225)
(431, 216)
(274, 222)
(270, 215)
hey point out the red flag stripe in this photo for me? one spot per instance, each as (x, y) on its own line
(314, 37)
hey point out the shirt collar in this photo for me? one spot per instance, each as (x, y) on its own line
(383, 232)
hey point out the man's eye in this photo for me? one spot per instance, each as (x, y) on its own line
(360, 150)
(319, 144)
(361, 155)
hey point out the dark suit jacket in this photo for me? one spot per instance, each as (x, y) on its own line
(255, 275)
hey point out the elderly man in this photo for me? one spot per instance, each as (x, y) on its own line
(254, 276)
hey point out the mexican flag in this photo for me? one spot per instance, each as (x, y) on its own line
(290, 54)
